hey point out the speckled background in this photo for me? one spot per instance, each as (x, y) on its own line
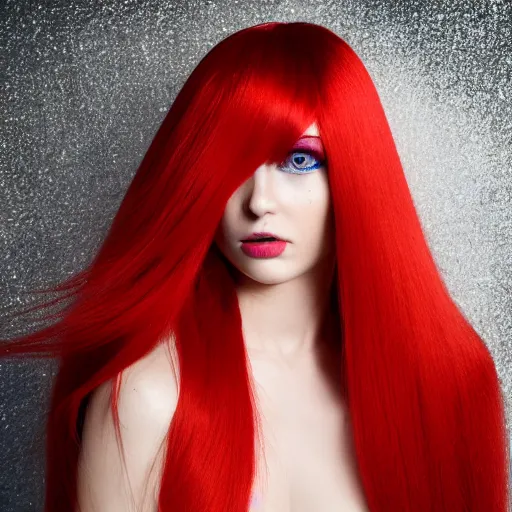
(86, 84)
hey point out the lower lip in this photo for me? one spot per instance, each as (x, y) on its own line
(263, 249)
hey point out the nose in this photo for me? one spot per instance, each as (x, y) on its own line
(262, 198)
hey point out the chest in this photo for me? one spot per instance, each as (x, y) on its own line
(305, 460)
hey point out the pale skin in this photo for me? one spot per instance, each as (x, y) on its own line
(307, 462)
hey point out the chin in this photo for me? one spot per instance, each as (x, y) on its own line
(268, 275)
(270, 280)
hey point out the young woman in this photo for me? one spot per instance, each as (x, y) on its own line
(264, 327)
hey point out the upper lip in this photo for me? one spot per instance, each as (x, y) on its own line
(262, 234)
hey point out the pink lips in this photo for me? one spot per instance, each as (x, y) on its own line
(253, 247)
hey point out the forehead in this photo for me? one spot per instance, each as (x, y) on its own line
(312, 130)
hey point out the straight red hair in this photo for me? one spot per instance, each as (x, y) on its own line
(421, 386)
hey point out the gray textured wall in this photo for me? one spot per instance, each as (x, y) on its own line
(86, 85)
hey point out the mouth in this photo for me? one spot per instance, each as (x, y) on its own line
(262, 237)
(263, 245)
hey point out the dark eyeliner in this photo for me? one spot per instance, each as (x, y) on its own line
(306, 170)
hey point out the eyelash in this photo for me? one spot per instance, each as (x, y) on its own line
(304, 170)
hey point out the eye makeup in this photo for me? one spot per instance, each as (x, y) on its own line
(307, 148)
(312, 144)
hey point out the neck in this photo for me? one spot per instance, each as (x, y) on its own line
(290, 319)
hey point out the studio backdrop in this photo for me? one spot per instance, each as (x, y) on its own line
(85, 86)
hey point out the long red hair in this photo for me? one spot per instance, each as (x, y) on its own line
(422, 390)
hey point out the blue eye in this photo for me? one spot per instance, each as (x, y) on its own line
(300, 162)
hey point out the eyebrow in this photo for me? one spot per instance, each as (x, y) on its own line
(309, 136)
(315, 140)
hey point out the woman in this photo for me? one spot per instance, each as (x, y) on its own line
(324, 368)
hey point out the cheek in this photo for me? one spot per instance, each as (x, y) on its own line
(309, 197)
(312, 213)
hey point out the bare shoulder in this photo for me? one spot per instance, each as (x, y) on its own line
(153, 382)
(148, 397)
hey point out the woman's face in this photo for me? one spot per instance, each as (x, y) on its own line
(290, 201)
